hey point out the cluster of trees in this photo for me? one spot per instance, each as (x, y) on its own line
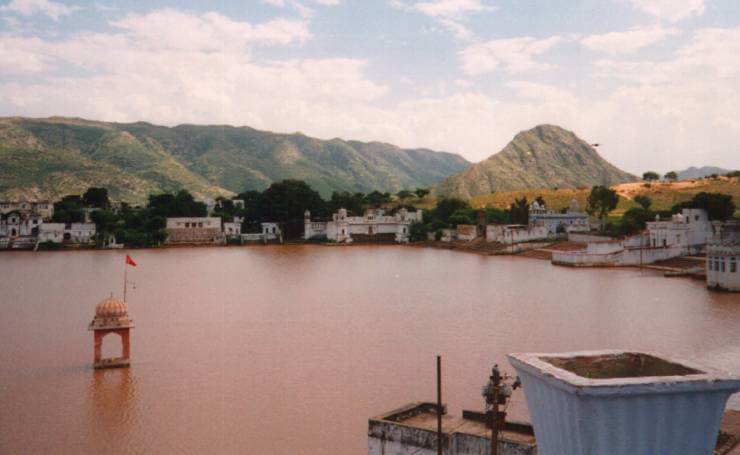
(719, 207)
(672, 176)
(651, 176)
(284, 202)
(449, 212)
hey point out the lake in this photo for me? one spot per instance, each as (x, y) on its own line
(290, 349)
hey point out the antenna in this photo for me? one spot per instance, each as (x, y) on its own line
(497, 392)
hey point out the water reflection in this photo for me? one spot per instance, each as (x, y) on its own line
(112, 407)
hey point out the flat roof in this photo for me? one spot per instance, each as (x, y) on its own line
(423, 416)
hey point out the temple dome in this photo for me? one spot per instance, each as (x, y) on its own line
(111, 308)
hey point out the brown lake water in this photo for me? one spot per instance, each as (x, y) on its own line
(273, 350)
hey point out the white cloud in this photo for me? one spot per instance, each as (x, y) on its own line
(17, 56)
(513, 55)
(450, 14)
(281, 3)
(670, 10)
(209, 31)
(31, 7)
(144, 71)
(450, 8)
(674, 112)
(629, 41)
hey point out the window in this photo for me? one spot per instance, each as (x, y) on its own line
(709, 263)
(696, 217)
(722, 265)
(200, 225)
(733, 265)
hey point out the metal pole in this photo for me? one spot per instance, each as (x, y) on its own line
(439, 405)
(494, 416)
(125, 278)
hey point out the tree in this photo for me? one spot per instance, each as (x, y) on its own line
(649, 176)
(404, 194)
(496, 215)
(519, 211)
(96, 197)
(251, 201)
(718, 206)
(634, 220)
(422, 192)
(182, 204)
(601, 201)
(417, 232)
(69, 210)
(541, 201)
(376, 198)
(671, 176)
(344, 199)
(643, 201)
(287, 200)
(446, 207)
(461, 216)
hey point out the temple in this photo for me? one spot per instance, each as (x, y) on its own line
(111, 317)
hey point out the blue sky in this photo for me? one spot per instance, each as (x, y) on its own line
(657, 82)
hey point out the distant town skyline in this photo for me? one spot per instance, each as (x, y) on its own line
(655, 82)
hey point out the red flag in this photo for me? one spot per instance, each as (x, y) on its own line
(130, 261)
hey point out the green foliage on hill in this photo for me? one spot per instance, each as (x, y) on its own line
(48, 158)
(546, 156)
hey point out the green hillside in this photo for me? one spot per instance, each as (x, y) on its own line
(46, 158)
(546, 156)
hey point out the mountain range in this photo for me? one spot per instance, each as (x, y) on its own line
(49, 158)
(52, 157)
(699, 172)
(546, 156)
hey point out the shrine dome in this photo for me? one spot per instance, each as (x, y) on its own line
(111, 308)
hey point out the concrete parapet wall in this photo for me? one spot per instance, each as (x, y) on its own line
(195, 236)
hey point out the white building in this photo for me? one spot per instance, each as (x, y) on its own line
(43, 208)
(20, 224)
(373, 226)
(194, 230)
(515, 233)
(232, 229)
(690, 229)
(77, 233)
(631, 251)
(573, 220)
(270, 231)
(466, 232)
(723, 266)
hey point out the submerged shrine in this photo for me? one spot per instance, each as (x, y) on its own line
(111, 317)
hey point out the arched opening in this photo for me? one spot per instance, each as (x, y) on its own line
(113, 347)
(67, 236)
(13, 232)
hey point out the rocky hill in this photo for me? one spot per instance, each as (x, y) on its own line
(546, 156)
(48, 158)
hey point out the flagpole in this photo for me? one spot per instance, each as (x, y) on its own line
(125, 276)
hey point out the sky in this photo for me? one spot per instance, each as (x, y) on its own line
(655, 82)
